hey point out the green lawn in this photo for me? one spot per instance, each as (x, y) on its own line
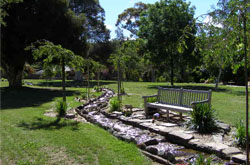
(29, 137)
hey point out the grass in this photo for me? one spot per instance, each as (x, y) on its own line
(228, 101)
(29, 137)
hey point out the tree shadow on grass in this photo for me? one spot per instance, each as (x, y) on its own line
(28, 97)
(74, 83)
(41, 123)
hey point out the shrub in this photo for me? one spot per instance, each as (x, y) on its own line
(61, 107)
(84, 95)
(97, 89)
(122, 91)
(203, 119)
(240, 134)
(114, 104)
(151, 99)
(201, 160)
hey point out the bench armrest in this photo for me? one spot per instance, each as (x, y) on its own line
(199, 102)
(144, 97)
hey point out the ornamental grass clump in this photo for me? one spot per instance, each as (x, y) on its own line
(240, 134)
(201, 160)
(114, 104)
(203, 119)
(61, 108)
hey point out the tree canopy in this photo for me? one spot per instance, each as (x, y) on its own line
(57, 21)
(168, 29)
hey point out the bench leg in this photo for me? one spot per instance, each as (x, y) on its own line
(168, 115)
(146, 112)
(181, 116)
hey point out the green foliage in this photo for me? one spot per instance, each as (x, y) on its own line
(168, 30)
(122, 91)
(127, 113)
(240, 134)
(161, 79)
(33, 20)
(114, 104)
(201, 160)
(203, 119)
(129, 18)
(84, 95)
(97, 88)
(151, 99)
(61, 108)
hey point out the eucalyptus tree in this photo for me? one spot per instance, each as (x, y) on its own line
(166, 27)
(129, 19)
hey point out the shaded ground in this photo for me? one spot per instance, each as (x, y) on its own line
(28, 97)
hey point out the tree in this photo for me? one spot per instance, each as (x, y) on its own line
(50, 54)
(3, 12)
(129, 19)
(95, 17)
(68, 23)
(98, 67)
(166, 27)
(32, 20)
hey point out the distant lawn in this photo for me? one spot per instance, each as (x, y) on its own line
(29, 137)
(229, 101)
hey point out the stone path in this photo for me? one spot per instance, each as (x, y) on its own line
(167, 141)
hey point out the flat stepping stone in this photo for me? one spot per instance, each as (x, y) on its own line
(228, 152)
(168, 124)
(179, 137)
(239, 158)
(216, 146)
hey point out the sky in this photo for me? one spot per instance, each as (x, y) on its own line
(114, 7)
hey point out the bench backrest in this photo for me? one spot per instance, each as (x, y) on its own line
(182, 97)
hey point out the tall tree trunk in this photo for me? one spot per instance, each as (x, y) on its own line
(152, 74)
(14, 76)
(98, 79)
(172, 71)
(63, 80)
(218, 79)
(88, 82)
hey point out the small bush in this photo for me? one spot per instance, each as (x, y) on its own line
(97, 89)
(161, 79)
(114, 104)
(201, 160)
(151, 99)
(203, 119)
(122, 91)
(84, 95)
(127, 113)
(240, 134)
(61, 108)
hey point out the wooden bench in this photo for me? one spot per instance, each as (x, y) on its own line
(179, 100)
